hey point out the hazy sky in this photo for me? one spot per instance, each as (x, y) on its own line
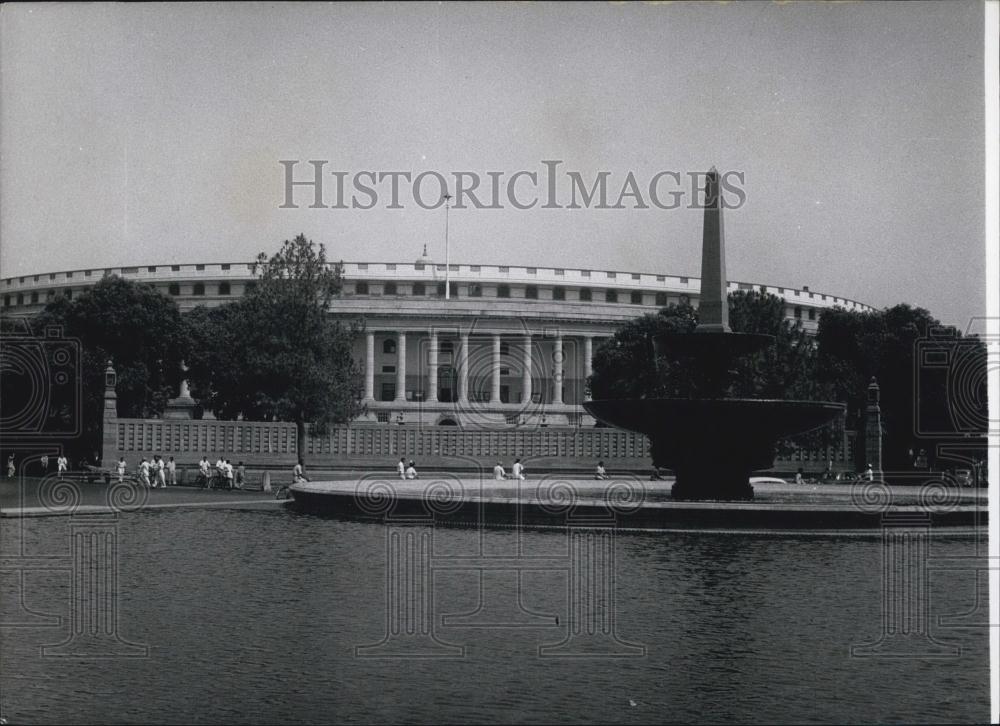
(144, 134)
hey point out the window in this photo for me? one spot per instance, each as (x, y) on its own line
(529, 270)
(475, 290)
(224, 267)
(34, 297)
(559, 293)
(559, 272)
(611, 296)
(418, 265)
(223, 288)
(447, 346)
(6, 301)
(390, 266)
(531, 292)
(388, 392)
(798, 311)
(69, 276)
(781, 291)
(584, 273)
(69, 293)
(362, 265)
(361, 287)
(175, 268)
(86, 273)
(440, 289)
(661, 278)
(504, 348)
(636, 276)
(50, 295)
(174, 289)
(151, 268)
(419, 288)
(52, 276)
(585, 294)
(20, 298)
(505, 371)
(389, 346)
(199, 267)
(636, 297)
(684, 281)
(125, 271)
(503, 268)
(199, 288)
(612, 275)
(390, 289)
(503, 290)
(452, 286)
(474, 268)
(812, 313)
(22, 279)
(36, 278)
(453, 268)
(388, 369)
(685, 299)
(661, 299)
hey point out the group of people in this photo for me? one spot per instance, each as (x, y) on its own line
(153, 473)
(62, 465)
(406, 471)
(223, 475)
(516, 471)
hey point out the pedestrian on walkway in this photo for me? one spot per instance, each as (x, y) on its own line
(401, 468)
(172, 472)
(498, 472)
(121, 466)
(62, 464)
(45, 464)
(11, 468)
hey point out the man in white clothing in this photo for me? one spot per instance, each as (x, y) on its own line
(518, 470)
(498, 472)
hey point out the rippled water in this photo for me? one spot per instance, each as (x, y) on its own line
(254, 616)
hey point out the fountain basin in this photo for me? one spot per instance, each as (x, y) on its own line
(713, 445)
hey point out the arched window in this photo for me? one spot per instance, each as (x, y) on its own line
(389, 346)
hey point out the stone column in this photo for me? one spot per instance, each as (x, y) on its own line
(495, 371)
(432, 374)
(370, 366)
(588, 363)
(873, 430)
(526, 373)
(401, 366)
(463, 368)
(557, 359)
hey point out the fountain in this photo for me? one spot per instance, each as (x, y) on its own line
(713, 442)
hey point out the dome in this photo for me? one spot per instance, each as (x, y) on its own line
(424, 259)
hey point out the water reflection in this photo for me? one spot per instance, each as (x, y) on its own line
(255, 616)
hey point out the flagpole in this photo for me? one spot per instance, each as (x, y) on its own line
(447, 252)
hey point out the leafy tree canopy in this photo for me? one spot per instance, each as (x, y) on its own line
(276, 354)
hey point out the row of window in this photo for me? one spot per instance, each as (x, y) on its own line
(419, 289)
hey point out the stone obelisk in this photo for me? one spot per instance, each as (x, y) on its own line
(713, 306)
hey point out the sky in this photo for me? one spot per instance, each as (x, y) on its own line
(152, 134)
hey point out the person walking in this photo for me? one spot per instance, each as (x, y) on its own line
(241, 473)
(401, 468)
(230, 474)
(45, 464)
(121, 467)
(518, 470)
(160, 471)
(869, 473)
(205, 471)
(11, 468)
(62, 464)
(144, 472)
(172, 472)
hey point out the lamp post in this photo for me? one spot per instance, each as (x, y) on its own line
(447, 252)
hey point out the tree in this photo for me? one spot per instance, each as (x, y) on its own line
(276, 354)
(932, 379)
(138, 329)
